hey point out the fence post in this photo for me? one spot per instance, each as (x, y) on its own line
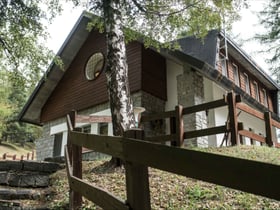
(177, 126)
(233, 123)
(268, 129)
(4, 156)
(137, 179)
(75, 155)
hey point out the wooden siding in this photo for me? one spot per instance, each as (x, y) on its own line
(75, 92)
(154, 73)
(252, 80)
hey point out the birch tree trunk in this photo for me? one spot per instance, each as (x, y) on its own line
(117, 69)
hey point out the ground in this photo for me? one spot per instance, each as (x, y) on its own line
(170, 191)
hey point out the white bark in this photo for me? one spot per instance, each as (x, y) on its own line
(117, 69)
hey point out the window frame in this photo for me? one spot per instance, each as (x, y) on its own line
(247, 83)
(236, 77)
(256, 91)
(265, 102)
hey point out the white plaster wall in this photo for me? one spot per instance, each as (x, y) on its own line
(173, 69)
(62, 128)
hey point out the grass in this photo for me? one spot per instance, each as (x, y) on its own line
(15, 148)
(171, 191)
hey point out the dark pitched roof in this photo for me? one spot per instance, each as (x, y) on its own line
(205, 50)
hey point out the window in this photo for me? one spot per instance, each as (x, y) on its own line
(86, 129)
(94, 66)
(57, 144)
(256, 91)
(247, 83)
(103, 128)
(236, 75)
(264, 97)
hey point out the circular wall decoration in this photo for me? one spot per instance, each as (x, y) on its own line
(94, 66)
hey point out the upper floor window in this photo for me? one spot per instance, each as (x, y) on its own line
(103, 128)
(256, 91)
(236, 75)
(247, 83)
(264, 97)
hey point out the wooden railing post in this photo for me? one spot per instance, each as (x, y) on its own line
(233, 123)
(177, 126)
(137, 179)
(75, 154)
(268, 129)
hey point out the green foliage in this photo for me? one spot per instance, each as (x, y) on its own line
(164, 20)
(270, 19)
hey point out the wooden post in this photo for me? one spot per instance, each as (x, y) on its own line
(137, 179)
(75, 155)
(14, 157)
(268, 129)
(231, 99)
(178, 126)
(4, 156)
(32, 155)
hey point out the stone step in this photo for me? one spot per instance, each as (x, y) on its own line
(16, 205)
(28, 165)
(11, 193)
(24, 179)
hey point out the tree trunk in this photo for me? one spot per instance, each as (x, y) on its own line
(117, 69)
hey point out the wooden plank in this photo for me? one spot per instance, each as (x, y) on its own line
(275, 123)
(205, 132)
(252, 135)
(106, 144)
(179, 126)
(162, 138)
(137, 179)
(205, 106)
(93, 119)
(234, 137)
(246, 175)
(157, 116)
(250, 110)
(268, 129)
(97, 195)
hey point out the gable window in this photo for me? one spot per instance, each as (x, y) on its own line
(236, 75)
(94, 66)
(264, 97)
(247, 83)
(256, 91)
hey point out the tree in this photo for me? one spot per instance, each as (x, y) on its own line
(23, 57)
(270, 19)
(157, 22)
(22, 36)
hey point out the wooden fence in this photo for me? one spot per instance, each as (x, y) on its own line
(139, 153)
(28, 156)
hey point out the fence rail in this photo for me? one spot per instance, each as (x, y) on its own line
(138, 154)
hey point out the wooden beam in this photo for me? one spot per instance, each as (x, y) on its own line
(205, 106)
(233, 119)
(101, 197)
(246, 175)
(268, 129)
(275, 123)
(137, 179)
(250, 110)
(163, 138)
(252, 135)
(105, 144)
(93, 119)
(179, 126)
(205, 132)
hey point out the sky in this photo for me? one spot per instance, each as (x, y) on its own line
(243, 29)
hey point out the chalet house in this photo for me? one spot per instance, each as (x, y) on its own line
(199, 72)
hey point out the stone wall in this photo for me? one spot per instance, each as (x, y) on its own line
(44, 145)
(191, 92)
